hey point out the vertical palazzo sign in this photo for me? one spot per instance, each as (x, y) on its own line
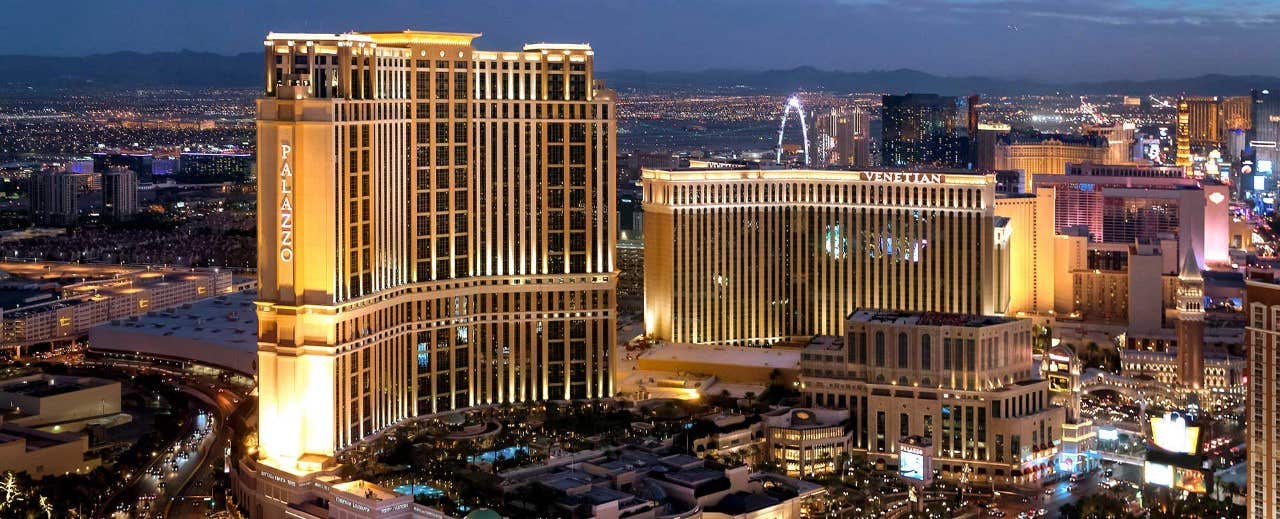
(286, 205)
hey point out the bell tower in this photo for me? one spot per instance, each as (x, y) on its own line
(1190, 324)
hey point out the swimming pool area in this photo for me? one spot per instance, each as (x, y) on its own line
(494, 455)
(420, 490)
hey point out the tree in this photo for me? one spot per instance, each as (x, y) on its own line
(10, 492)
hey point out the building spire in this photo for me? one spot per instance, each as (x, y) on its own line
(1190, 267)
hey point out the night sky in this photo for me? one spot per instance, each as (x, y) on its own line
(1046, 40)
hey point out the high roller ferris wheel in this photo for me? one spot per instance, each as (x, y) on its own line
(793, 103)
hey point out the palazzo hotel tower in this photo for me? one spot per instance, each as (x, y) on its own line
(434, 233)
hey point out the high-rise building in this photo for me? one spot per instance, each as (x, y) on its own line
(1203, 126)
(757, 256)
(984, 145)
(435, 232)
(1235, 114)
(1031, 251)
(1048, 154)
(966, 382)
(840, 137)
(1262, 340)
(920, 130)
(211, 168)
(119, 194)
(1190, 324)
(1119, 137)
(54, 196)
(142, 163)
(1129, 203)
(1264, 129)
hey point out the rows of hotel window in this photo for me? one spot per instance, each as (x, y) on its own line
(751, 192)
(705, 232)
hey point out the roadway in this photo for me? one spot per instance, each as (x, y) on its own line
(1051, 498)
(183, 467)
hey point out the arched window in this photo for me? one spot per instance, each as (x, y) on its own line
(926, 353)
(880, 349)
(902, 350)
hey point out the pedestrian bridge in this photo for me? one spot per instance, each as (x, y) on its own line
(1098, 380)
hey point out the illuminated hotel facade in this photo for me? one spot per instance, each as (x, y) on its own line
(759, 256)
(434, 233)
(1262, 337)
(968, 383)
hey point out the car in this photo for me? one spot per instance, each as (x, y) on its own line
(1041, 512)
(1048, 491)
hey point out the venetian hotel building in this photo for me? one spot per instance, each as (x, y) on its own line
(760, 256)
(434, 233)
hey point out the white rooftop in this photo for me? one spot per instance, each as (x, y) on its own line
(220, 330)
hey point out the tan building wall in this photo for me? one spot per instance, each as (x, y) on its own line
(434, 233)
(965, 382)
(1031, 252)
(1262, 338)
(1049, 157)
(92, 398)
(42, 454)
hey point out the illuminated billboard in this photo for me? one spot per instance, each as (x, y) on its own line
(1169, 476)
(1190, 480)
(1171, 433)
(1108, 433)
(1158, 474)
(911, 465)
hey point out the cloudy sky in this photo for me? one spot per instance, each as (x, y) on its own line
(1048, 40)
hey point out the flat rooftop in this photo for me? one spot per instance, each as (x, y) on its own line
(41, 386)
(927, 318)
(728, 355)
(833, 173)
(221, 330)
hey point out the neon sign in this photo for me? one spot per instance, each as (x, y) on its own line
(286, 205)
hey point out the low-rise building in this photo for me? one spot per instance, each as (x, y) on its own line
(83, 296)
(219, 331)
(1222, 372)
(635, 482)
(808, 442)
(40, 453)
(58, 403)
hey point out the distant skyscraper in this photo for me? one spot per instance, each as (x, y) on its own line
(211, 168)
(1234, 114)
(1182, 123)
(974, 105)
(984, 145)
(141, 163)
(54, 196)
(1049, 154)
(119, 194)
(1119, 137)
(1204, 123)
(1264, 131)
(920, 130)
(1262, 341)
(840, 137)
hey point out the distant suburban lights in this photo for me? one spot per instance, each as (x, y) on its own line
(286, 205)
